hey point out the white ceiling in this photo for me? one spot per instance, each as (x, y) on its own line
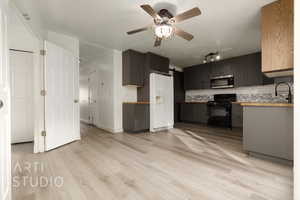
(231, 26)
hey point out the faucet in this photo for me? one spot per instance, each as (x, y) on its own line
(289, 98)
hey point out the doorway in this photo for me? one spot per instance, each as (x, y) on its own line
(22, 92)
(93, 96)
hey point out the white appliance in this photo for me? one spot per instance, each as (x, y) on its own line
(161, 102)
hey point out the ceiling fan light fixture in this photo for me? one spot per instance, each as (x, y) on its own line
(164, 31)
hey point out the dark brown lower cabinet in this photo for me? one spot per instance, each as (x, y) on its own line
(237, 115)
(197, 113)
(136, 117)
(193, 112)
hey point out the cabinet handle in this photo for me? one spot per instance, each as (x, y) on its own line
(76, 101)
(1, 104)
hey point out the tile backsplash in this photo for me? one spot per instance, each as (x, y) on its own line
(264, 93)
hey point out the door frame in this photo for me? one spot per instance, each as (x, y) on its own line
(31, 54)
(38, 70)
(5, 158)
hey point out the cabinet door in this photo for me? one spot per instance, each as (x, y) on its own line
(133, 68)
(221, 68)
(205, 76)
(200, 113)
(192, 78)
(158, 63)
(141, 118)
(186, 112)
(277, 36)
(197, 77)
(246, 70)
(237, 115)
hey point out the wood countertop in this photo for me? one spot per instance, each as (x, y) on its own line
(140, 102)
(194, 102)
(257, 104)
(249, 104)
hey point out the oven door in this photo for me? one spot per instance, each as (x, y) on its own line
(222, 82)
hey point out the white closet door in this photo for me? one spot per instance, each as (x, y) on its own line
(61, 102)
(21, 66)
(5, 150)
(93, 92)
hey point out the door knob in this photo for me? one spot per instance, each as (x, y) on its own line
(76, 101)
(1, 104)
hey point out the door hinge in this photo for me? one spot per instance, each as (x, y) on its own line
(43, 93)
(44, 133)
(43, 52)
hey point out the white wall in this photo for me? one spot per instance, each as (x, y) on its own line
(84, 98)
(67, 42)
(121, 93)
(108, 66)
(22, 37)
(19, 35)
(35, 23)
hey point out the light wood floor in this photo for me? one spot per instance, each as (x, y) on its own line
(182, 164)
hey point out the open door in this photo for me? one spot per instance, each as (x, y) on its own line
(93, 96)
(5, 149)
(62, 93)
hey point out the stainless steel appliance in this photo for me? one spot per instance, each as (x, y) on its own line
(226, 81)
(220, 110)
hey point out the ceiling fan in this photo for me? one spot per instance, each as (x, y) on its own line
(164, 24)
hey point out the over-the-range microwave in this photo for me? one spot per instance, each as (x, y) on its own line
(226, 81)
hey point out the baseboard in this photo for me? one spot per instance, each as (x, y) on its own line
(22, 141)
(271, 158)
(110, 129)
(161, 129)
(84, 121)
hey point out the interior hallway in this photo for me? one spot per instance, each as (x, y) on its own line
(184, 163)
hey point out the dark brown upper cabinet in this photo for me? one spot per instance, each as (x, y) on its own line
(157, 63)
(197, 77)
(133, 68)
(245, 69)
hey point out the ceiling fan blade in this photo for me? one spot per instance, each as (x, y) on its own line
(137, 30)
(150, 11)
(186, 15)
(183, 34)
(157, 42)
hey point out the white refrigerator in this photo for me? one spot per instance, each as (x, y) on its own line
(161, 102)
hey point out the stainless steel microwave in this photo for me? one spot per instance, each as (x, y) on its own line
(226, 81)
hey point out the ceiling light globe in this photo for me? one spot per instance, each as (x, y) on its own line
(163, 31)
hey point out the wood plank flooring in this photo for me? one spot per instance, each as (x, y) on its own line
(185, 163)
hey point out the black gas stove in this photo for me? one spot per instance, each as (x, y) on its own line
(220, 110)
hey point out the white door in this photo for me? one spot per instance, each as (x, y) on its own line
(21, 70)
(62, 93)
(93, 96)
(5, 150)
(161, 102)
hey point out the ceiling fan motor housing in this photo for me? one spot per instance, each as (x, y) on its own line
(165, 17)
